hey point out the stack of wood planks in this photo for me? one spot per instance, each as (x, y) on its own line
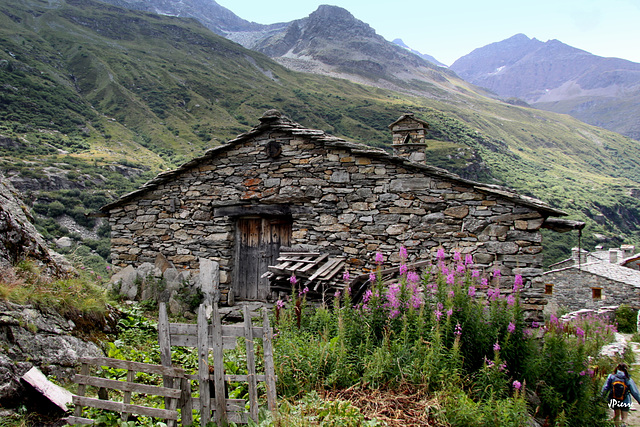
(318, 272)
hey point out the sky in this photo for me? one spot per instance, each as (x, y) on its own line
(450, 29)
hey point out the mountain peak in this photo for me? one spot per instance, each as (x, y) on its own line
(333, 21)
(400, 43)
(332, 11)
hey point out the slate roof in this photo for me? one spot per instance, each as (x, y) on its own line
(272, 120)
(409, 116)
(613, 272)
(598, 264)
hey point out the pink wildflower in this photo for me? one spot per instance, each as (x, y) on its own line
(458, 330)
(403, 269)
(472, 291)
(393, 302)
(511, 300)
(468, 259)
(438, 314)
(403, 252)
(484, 282)
(517, 284)
(415, 301)
(280, 304)
(346, 277)
(450, 279)
(475, 273)
(497, 273)
(511, 327)
(413, 277)
(460, 268)
(367, 296)
(496, 346)
(517, 385)
(457, 257)
(293, 280)
(449, 312)
(440, 254)
(379, 258)
(372, 276)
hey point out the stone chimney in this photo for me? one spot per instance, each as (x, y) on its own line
(627, 251)
(409, 138)
(613, 256)
(579, 256)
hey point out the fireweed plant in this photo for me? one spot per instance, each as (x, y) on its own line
(452, 331)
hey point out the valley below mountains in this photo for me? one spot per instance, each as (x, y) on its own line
(100, 97)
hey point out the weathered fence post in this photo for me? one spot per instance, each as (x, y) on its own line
(269, 368)
(251, 365)
(203, 366)
(218, 367)
(209, 283)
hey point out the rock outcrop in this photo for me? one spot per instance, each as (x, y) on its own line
(31, 336)
(19, 238)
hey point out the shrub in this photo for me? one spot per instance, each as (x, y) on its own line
(56, 209)
(451, 331)
(627, 318)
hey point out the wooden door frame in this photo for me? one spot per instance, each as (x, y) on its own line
(237, 256)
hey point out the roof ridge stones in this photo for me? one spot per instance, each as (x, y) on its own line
(273, 120)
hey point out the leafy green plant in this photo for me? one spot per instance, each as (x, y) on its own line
(451, 330)
(627, 319)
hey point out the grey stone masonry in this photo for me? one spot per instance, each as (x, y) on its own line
(573, 289)
(344, 199)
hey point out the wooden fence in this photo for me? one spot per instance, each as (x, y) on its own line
(171, 391)
(214, 338)
(210, 340)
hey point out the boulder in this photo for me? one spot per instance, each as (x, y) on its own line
(36, 337)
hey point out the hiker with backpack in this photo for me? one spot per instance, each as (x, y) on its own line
(620, 387)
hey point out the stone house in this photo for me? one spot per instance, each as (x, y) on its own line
(281, 184)
(592, 280)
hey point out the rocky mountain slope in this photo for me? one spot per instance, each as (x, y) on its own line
(554, 76)
(429, 58)
(332, 41)
(551, 76)
(19, 239)
(101, 96)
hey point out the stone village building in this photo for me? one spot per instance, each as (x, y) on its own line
(281, 184)
(592, 280)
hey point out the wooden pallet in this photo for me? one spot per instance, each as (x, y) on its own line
(318, 272)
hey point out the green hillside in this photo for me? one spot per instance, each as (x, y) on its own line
(102, 98)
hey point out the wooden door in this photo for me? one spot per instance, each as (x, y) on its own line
(258, 242)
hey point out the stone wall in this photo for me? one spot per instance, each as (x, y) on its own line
(344, 201)
(572, 290)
